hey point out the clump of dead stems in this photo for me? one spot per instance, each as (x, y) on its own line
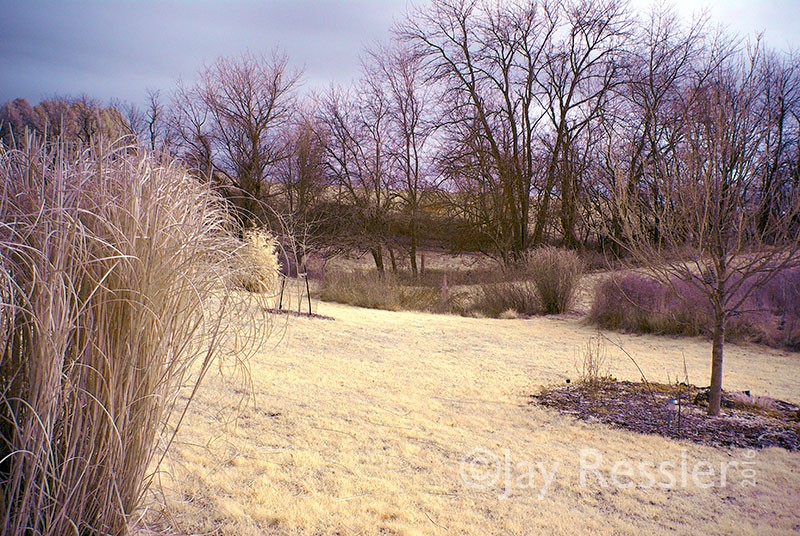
(113, 267)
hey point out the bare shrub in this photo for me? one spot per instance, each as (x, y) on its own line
(593, 366)
(773, 311)
(770, 314)
(744, 400)
(556, 274)
(496, 300)
(643, 305)
(108, 262)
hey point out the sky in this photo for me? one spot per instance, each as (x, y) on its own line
(120, 49)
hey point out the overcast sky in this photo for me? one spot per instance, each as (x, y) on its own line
(120, 49)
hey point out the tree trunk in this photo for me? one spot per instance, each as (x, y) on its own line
(412, 253)
(568, 209)
(718, 346)
(377, 256)
(541, 217)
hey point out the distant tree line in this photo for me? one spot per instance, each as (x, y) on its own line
(81, 120)
(484, 126)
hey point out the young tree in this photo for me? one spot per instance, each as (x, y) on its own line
(711, 230)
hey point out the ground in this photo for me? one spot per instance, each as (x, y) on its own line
(679, 411)
(408, 423)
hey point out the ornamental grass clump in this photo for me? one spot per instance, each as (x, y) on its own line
(259, 265)
(108, 265)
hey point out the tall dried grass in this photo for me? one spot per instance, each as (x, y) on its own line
(260, 265)
(375, 291)
(499, 300)
(108, 265)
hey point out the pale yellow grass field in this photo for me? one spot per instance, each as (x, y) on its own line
(361, 426)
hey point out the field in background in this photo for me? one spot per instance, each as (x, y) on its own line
(362, 425)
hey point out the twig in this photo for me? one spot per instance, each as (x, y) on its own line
(353, 497)
(334, 430)
(434, 522)
(641, 372)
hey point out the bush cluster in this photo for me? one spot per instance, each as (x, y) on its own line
(769, 315)
(545, 283)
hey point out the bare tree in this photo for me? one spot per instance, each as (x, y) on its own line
(410, 129)
(193, 129)
(582, 65)
(303, 178)
(780, 76)
(711, 231)
(82, 121)
(487, 57)
(155, 124)
(355, 128)
(231, 123)
(15, 117)
(640, 126)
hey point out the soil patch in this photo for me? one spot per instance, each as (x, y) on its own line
(678, 412)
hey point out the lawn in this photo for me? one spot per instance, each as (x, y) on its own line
(383, 422)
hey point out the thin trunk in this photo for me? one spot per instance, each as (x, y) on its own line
(568, 209)
(413, 249)
(541, 215)
(718, 346)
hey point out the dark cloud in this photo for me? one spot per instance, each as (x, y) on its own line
(118, 49)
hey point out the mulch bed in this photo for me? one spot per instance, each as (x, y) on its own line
(298, 314)
(677, 411)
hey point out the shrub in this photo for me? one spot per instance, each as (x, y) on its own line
(594, 367)
(770, 314)
(643, 305)
(496, 300)
(773, 311)
(107, 264)
(556, 274)
(260, 268)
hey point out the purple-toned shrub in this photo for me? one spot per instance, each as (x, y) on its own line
(769, 315)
